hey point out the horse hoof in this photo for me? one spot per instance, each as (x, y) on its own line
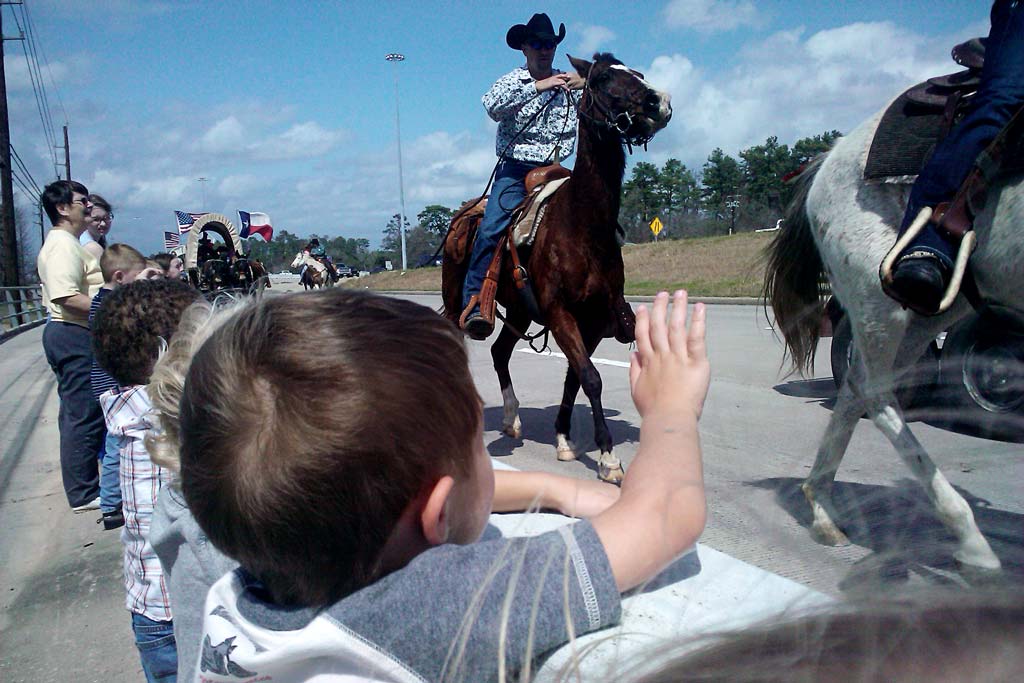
(829, 535)
(612, 475)
(566, 454)
(513, 430)
(980, 576)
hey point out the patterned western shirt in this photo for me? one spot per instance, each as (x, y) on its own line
(127, 413)
(513, 100)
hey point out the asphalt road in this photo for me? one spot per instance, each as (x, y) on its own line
(62, 610)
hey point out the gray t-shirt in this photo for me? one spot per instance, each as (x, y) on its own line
(442, 617)
(191, 565)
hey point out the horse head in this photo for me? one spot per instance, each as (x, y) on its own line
(618, 98)
(300, 258)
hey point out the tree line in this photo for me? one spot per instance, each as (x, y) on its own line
(726, 194)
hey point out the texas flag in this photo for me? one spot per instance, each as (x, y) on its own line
(255, 223)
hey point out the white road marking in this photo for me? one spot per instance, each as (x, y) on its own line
(595, 361)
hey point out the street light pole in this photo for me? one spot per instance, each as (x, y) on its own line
(396, 57)
(732, 203)
(202, 186)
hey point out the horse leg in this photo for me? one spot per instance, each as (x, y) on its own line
(564, 450)
(973, 551)
(582, 373)
(501, 353)
(817, 488)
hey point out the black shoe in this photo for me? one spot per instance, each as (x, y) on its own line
(477, 327)
(920, 280)
(112, 520)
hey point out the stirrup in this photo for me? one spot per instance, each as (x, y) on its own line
(964, 251)
(474, 301)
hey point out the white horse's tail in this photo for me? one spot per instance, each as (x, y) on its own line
(793, 276)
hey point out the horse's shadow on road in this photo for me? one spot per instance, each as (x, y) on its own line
(898, 523)
(539, 427)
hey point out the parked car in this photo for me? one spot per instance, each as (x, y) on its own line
(346, 271)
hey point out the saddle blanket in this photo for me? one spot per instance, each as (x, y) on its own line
(912, 126)
(530, 213)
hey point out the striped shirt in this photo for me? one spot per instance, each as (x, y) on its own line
(127, 414)
(101, 381)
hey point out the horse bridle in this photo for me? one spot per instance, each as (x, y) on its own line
(619, 122)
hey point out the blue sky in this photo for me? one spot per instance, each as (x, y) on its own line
(289, 107)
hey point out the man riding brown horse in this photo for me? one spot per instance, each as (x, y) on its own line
(536, 126)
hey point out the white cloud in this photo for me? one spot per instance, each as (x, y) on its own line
(791, 85)
(18, 78)
(710, 16)
(226, 136)
(592, 38)
(302, 140)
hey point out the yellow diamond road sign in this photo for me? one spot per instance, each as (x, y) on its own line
(656, 226)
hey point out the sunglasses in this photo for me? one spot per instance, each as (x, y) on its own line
(84, 201)
(542, 45)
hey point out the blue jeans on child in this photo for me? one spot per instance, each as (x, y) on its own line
(157, 649)
(1000, 94)
(110, 474)
(506, 193)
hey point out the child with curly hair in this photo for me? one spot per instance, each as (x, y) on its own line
(129, 330)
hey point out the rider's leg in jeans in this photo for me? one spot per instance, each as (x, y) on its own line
(506, 193)
(1000, 94)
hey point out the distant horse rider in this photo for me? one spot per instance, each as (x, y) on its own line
(536, 123)
(319, 252)
(922, 273)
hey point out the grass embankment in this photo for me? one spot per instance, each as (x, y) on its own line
(707, 266)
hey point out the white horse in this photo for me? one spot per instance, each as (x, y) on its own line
(841, 225)
(314, 273)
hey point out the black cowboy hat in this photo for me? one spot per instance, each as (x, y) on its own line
(539, 27)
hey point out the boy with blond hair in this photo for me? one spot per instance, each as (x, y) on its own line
(333, 446)
(120, 265)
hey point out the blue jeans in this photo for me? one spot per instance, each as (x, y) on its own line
(157, 649)
(999, 96)
(506, 193)
(80, 421)
(110, 474)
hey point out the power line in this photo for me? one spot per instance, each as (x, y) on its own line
(24, 169)
(32, 31)
(38, 87)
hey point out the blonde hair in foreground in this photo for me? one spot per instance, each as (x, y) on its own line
(934, 636)
(167, 383)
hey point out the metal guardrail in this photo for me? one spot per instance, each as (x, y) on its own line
(20, 307)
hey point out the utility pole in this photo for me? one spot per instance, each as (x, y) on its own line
(67, 155)
(9, 275)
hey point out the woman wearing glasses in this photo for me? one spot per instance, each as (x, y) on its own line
(97, 225)
(536, 126)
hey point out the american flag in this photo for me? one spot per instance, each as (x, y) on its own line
(185, 220)
(172, 240)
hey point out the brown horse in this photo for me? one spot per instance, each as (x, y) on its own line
(575, 263)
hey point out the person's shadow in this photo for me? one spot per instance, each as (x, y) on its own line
(898, 523)
(539, 427)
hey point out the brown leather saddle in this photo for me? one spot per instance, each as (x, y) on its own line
(459, 243)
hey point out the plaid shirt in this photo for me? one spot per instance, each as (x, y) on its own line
(127, 415)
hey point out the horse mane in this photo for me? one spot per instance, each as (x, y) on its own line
(606, 58)
(793, 275)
